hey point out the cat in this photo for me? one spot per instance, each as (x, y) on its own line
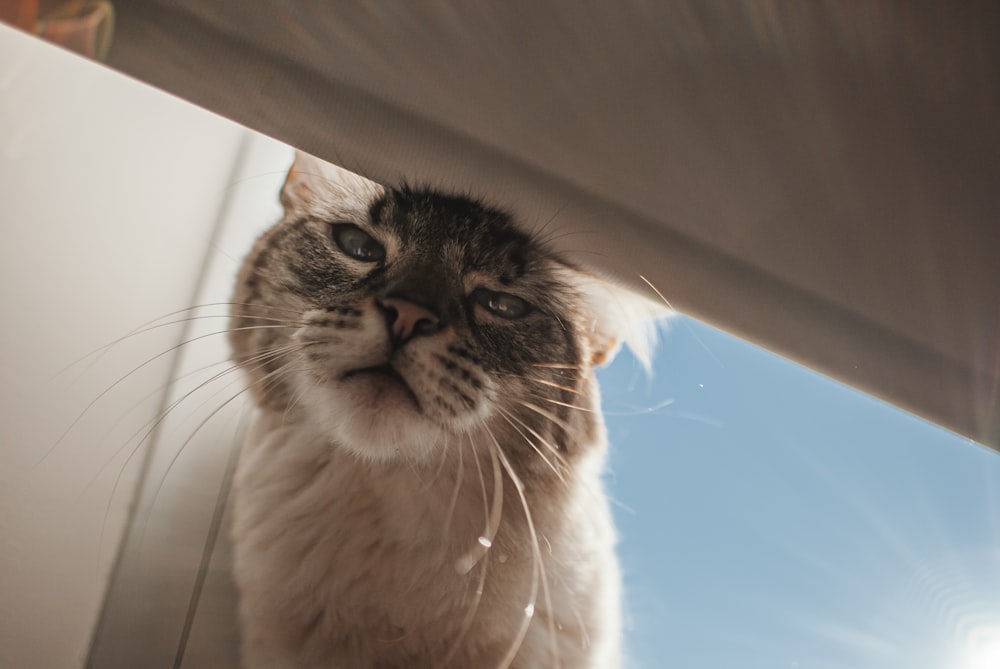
(421, 485)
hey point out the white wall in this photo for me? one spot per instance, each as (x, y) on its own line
(148, 620)
(109, 193)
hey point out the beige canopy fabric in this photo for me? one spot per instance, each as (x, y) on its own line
(821, 178)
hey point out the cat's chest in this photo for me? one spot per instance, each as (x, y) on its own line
(355, 563)
(337, 530)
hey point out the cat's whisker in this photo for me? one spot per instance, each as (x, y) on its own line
(590, 252)
(553, 384)
(545, 414)
(154, 324)
(492, 526)
(555, 365)
(449, 516)
(296, 397)
(150, 426)
(698, 339)
(134, 370)
(568, 406)
(101, 350)
(636, 411)
(439, 468)
(538, 572)
(653, 408)
(469, 559)
(544, 382)
(491, 514)
(657, 291)
(542, 233)
(263, 381)
(283, 321)
(155, 423)
(265, 353)
(546, 237)
(556, 470)
(158, 391)
(183, 446)
(285, 370)
(414, 466)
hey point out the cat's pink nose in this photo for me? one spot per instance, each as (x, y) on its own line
(407, 319)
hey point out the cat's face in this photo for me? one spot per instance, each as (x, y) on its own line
(399, 321)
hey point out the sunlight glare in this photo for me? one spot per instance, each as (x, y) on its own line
(982, 651)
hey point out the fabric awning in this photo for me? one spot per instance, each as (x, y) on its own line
(822, 179)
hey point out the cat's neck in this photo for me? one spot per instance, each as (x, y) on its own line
(472, 495)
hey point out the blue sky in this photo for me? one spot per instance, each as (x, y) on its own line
(770, 517)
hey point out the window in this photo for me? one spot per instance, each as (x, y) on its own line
(771, 517)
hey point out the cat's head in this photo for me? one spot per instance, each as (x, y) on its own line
(399, 321)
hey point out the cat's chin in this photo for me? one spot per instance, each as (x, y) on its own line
(381, 386)
(375, 415)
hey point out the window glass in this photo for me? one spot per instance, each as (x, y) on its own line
(771, 517)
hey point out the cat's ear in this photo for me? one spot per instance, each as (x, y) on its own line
(616, 315)
(311, 180)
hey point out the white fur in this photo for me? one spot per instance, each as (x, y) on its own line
(314, 526)
(327, 191)
(620, 315)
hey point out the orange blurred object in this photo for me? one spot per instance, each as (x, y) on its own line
(83, 26)
(19, 13)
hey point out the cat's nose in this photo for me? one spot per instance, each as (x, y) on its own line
(407, 319)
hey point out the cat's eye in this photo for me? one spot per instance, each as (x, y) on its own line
(357, 243)
(504, 305)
